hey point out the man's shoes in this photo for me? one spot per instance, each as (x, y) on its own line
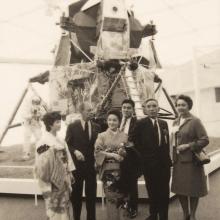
(132, 213)
(152, 217)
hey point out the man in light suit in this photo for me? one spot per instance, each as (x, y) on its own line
(151, 138)
(80, 137)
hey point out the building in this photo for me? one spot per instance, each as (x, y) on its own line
(180, 80)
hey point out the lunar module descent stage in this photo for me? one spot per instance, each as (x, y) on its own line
(99, 60)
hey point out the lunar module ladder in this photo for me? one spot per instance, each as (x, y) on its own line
(130, 85)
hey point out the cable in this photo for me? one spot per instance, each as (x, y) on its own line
(27, 29)
(175, 6)
(171, 8)
(210, 26)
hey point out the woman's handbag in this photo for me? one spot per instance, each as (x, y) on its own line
(201, 158)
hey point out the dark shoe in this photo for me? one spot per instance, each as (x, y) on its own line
(152, 217)
(132, 213)
(187, 218)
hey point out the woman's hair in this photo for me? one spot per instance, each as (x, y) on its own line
(49, 119)
(114, 112)
(187, 99)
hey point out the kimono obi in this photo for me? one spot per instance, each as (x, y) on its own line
(108, 166)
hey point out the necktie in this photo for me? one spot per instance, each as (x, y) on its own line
(87, 130)
(123, 124)
(156, 134)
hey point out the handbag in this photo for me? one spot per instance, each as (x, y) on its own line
(201, 158)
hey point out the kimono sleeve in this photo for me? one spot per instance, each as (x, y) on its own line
(71, 165)
(100, 150)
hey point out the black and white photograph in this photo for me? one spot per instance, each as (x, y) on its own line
(110, 110)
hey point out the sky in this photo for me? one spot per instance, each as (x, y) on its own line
(28, 30)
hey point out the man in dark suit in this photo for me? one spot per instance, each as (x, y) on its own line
(151, 138)
(80, 137)
(127, 125)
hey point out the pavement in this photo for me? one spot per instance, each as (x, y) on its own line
(13, 207)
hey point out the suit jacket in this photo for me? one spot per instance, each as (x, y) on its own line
(132, 160)
(143, 138)
(191, 132)
(132, 125)
(76, 140)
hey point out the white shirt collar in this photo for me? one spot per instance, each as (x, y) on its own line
(153, 120)
(127, 125)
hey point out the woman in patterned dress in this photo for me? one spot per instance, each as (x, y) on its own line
(109, 152)
(53, 168)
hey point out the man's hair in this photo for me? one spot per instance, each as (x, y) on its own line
(187, 99)
(128, 101)
(49, 119)
(151, 99)
(82, 106)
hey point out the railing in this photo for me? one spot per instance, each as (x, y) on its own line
(30, 186)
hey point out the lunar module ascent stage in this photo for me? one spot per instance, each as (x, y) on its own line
(100, 59)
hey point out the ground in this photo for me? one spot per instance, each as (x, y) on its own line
(23, 208)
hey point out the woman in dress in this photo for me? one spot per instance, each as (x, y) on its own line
(188, 136)
(53, 168)
(109, 152)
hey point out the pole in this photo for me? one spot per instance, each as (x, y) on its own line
(14, 113)
(170, 102)
(196, 82)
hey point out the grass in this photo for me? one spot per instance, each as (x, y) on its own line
(12, 156)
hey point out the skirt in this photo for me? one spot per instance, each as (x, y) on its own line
(189, 179)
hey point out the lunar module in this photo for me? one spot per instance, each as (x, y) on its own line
(100, 59)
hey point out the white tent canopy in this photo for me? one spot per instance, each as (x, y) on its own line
(28, 30)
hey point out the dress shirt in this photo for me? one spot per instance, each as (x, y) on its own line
(158, 126)
(127, 125)
(89, 126)
(182, 120)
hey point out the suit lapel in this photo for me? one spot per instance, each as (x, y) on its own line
(162, 133)
(189, 118)
(132, 124)
(82, 131)
(80, 126)
(93, 131)
(149, 122)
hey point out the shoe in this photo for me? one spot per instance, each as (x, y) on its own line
(151, 217)
(187, 217)
(132, 213)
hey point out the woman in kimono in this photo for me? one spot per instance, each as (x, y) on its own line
(188, 136)
(109, 152)
(53, 169)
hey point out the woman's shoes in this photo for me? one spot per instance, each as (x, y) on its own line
(187, 217)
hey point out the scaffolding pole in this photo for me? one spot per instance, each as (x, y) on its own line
(14, 113)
